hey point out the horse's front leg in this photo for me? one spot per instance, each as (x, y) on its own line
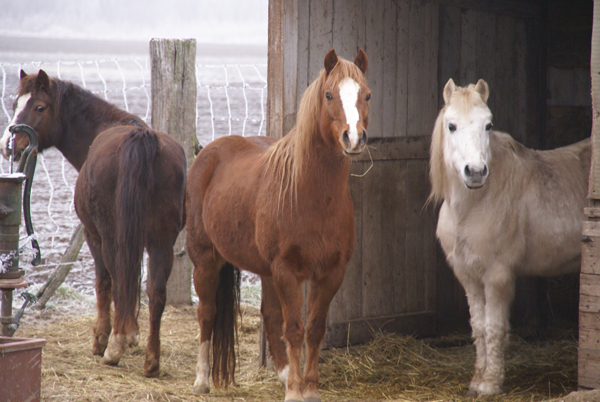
(270, 308)
(289, 290)
(103, 326)
(499, 287)
(319, 298)
(160, 263)
(476, 299)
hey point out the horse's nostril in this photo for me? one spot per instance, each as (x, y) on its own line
(346, 137)
(485, 171)
(468, 172)
(363, 138)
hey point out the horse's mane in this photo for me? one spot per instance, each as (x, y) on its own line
(287, 156)
(79, 97)
(464, 99)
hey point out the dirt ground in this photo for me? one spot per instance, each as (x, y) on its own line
(391, 367)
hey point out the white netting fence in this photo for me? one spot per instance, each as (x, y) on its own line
(231, 99)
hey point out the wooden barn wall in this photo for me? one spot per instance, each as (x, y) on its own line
(398, 279)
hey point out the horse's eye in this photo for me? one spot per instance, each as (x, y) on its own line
(451, 127)
(488, 126)
(368, 97)
(40, 109)
(328, 96)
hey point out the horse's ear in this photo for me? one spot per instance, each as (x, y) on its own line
(42, 80)
(331, 60)
(23, 74)
(483, 89)
(361, 61)
(449, 90)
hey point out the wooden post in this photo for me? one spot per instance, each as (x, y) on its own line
(174, 112)
(589, 290)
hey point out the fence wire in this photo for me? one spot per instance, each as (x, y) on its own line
(230, 100)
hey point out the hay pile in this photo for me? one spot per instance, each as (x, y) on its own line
(391, 367)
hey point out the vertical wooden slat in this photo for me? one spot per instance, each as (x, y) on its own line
(390, 58)
(174, 112)
(374, 49)
(345, 27)
(373, 279)
(275, 70)
(485, 53)
(422, 68)
(519, 97)
(320, 36)
(468, 47)
(289, 43)
(302, 78)
(402, 30)
(505, 109)
(395, 231)
(449, 54)
(594, 187)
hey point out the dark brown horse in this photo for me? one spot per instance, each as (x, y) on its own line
(283, 211)
(129, 196)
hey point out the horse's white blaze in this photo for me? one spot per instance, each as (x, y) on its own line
(349, 95)
(21, 103)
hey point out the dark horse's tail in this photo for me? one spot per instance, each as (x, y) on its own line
(135, 180)
(225, 328)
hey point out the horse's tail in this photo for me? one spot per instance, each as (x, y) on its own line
(135, 180)
(225, 328)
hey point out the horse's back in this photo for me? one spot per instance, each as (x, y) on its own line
(96, 187)
(221, 197)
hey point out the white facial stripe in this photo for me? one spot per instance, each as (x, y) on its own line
(349, 95)
(21, 103)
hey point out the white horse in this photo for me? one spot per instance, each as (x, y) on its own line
(507, 211)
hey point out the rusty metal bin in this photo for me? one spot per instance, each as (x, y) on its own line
(20, 369)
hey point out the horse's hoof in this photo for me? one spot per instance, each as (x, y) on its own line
(133, 339)
(201, 389)
(109, 362)
(151, 370)
(471, 393)
(99, 345)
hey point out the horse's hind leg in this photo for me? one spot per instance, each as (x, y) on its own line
(160, 263)
(103, 327)
(270, 308)
(207, 262)
(125, 327)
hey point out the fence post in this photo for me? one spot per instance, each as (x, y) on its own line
(174, 112)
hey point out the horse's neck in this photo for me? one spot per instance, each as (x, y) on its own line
(81, 126)
(325, 171)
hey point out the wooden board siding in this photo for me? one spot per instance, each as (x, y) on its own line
(398, 275)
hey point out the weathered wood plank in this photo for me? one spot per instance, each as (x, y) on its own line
(396, 148)
(422, 69)
(390, 58)
(377, 282)
(275, 70)
(394, 229)
(345, 27)
(589, 285)
(320, 36)
(289, 43)
(174, 112)
(402, 29)
(588, 362)
(468, 47)
(519, 98)
(485, 53)
(374, 48)
(347, 303)
(303, 49)
(449, 55)
(504, 88)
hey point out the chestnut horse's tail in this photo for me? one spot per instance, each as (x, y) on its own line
(225, 328)
(135, 180)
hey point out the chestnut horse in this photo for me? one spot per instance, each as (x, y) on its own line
(283, 211)
(507, 211)
(129, 196)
